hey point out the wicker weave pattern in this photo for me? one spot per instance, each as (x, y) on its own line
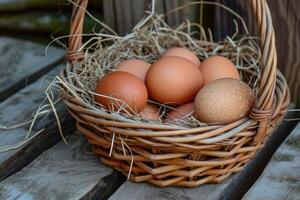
(165, 155)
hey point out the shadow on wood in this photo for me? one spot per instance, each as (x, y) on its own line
(66, 171)
(232, 188)
(281, 178)
(23, 62)
(19, 108)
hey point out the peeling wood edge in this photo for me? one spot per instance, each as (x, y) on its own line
(4, 94)
(106, 187)
(27, 153)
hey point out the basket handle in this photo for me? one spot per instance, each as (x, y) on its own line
(263, 108)
(262, 111)
(76, 30)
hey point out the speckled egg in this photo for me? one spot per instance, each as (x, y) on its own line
(223, 101)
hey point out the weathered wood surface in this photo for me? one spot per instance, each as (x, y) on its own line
(17, 5)
(123, 15)
(233, 188)
(281, 178)
(286, 21)
(13, 6)
(23, 62)
(138, 191)
(19, 108)
(63, 172)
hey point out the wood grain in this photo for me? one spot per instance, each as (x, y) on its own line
(286, 20)
(108, 12)
(281, 178)
(22, 62)
(19, 108)
(138, 7)
(174, 18)
(137, 191)
(123, 15)
(123, 12)
(232, 188)
(63, 172)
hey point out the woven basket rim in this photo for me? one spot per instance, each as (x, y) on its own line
(162, 156)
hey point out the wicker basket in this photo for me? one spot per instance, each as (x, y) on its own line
(182, 157)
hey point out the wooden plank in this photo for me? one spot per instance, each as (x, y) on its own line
(109, 14)
(137, 191)
(19, 108)
(123, 15)
(36, 22)
(22, 62)
(63, 172)
(232, 188)
(17, 5)
(281, 178)
(139, 7)
(286, 19)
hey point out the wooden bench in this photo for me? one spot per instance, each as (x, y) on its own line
(281, 178)
(47, 168)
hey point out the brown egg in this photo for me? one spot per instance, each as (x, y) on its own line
(173, 80)
(124, 88)
(184, 53)
(180, 112)
(217, 67)
(138, 68)
(150, 112)
(223, 101)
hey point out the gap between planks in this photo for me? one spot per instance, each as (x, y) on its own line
(23, 62)
(281, 178)
(19, 108)
(232, 188)
(66, 171)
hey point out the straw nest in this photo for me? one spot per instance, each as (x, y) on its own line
(185, 152)
(147, 41)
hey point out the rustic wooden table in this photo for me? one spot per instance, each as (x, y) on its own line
(281, 178)
(47, 168)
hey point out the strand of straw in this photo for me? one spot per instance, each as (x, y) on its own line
(19, 144)
(131, 154)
